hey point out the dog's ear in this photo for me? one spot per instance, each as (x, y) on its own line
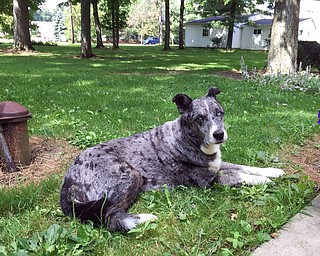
(182, 101)
(213, 92)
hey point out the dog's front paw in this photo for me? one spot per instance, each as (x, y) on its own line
(273, 172)
(269, 172)
(253, 179)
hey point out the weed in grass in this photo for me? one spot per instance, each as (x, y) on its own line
(142, 230)
(57, 240)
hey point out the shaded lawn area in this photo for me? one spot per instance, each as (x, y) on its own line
(119, 93)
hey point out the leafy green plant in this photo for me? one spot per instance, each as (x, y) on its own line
(300, 81)
(57, 240)
(235, 240)
(142, 230)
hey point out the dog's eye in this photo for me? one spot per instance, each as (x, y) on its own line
(200, 120)
(220, 113)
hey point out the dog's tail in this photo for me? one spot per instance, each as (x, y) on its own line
(101, 212)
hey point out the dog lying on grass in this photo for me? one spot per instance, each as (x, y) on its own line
(105, 179)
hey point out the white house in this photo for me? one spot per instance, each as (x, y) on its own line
(253, 32)
(45, 31)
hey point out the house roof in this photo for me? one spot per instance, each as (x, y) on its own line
(263, 22)
(218, 18)
(245, 17)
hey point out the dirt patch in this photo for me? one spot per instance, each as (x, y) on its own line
(305, 160)
(49, 156)
(12, 51)
(234, 74)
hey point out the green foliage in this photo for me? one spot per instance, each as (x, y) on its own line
(57, 240)
(6, 14)
(43, 15)
(59, 26)
(300, 81)
(6, 24)
(76, 16)
(127, 91)
(143, 18)
(48, 43)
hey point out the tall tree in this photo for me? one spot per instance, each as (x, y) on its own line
(86, 50)
(282, 57)
(181, 18)
(117, 24)
(7, 14)
(113, 6)
(233, 8)
(97, 24)
(71, 22)
(22, 40)
(167, 26)
(145, 18)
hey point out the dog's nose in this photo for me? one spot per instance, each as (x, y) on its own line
(218, 135)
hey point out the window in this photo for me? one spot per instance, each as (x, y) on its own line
(300, 32)
(205, 32)
(257, 31)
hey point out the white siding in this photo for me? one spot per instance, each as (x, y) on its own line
(244, 37)
(308, 31)
(251, 41)
(193, 36)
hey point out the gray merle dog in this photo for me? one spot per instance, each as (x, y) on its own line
(105, 179)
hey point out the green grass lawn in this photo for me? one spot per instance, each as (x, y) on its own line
(122, 92)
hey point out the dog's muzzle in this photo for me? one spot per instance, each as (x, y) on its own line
(219, 136)
(211, 146)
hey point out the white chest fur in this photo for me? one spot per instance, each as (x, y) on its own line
(214, 166)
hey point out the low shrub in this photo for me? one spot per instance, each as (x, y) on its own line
(301, 80)
(308, 54)
(48, 43)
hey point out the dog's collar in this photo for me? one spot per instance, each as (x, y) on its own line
(211, 149)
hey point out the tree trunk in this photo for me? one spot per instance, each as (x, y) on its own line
(22, 40)
(160, 23)
(117, 21)
(230, 36)
(181, 41)
(283, 50)
(71, 22)
(97, 24)
(233, 10)
(167, 25)
(113, 20)
(86, 50)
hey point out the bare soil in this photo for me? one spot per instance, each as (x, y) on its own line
(12, 51)
(50, 156)
(234, 74)
(305, 160)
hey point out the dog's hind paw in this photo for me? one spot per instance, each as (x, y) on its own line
(132, 220)
(144, 217)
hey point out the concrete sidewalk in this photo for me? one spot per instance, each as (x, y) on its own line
(299, 237)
